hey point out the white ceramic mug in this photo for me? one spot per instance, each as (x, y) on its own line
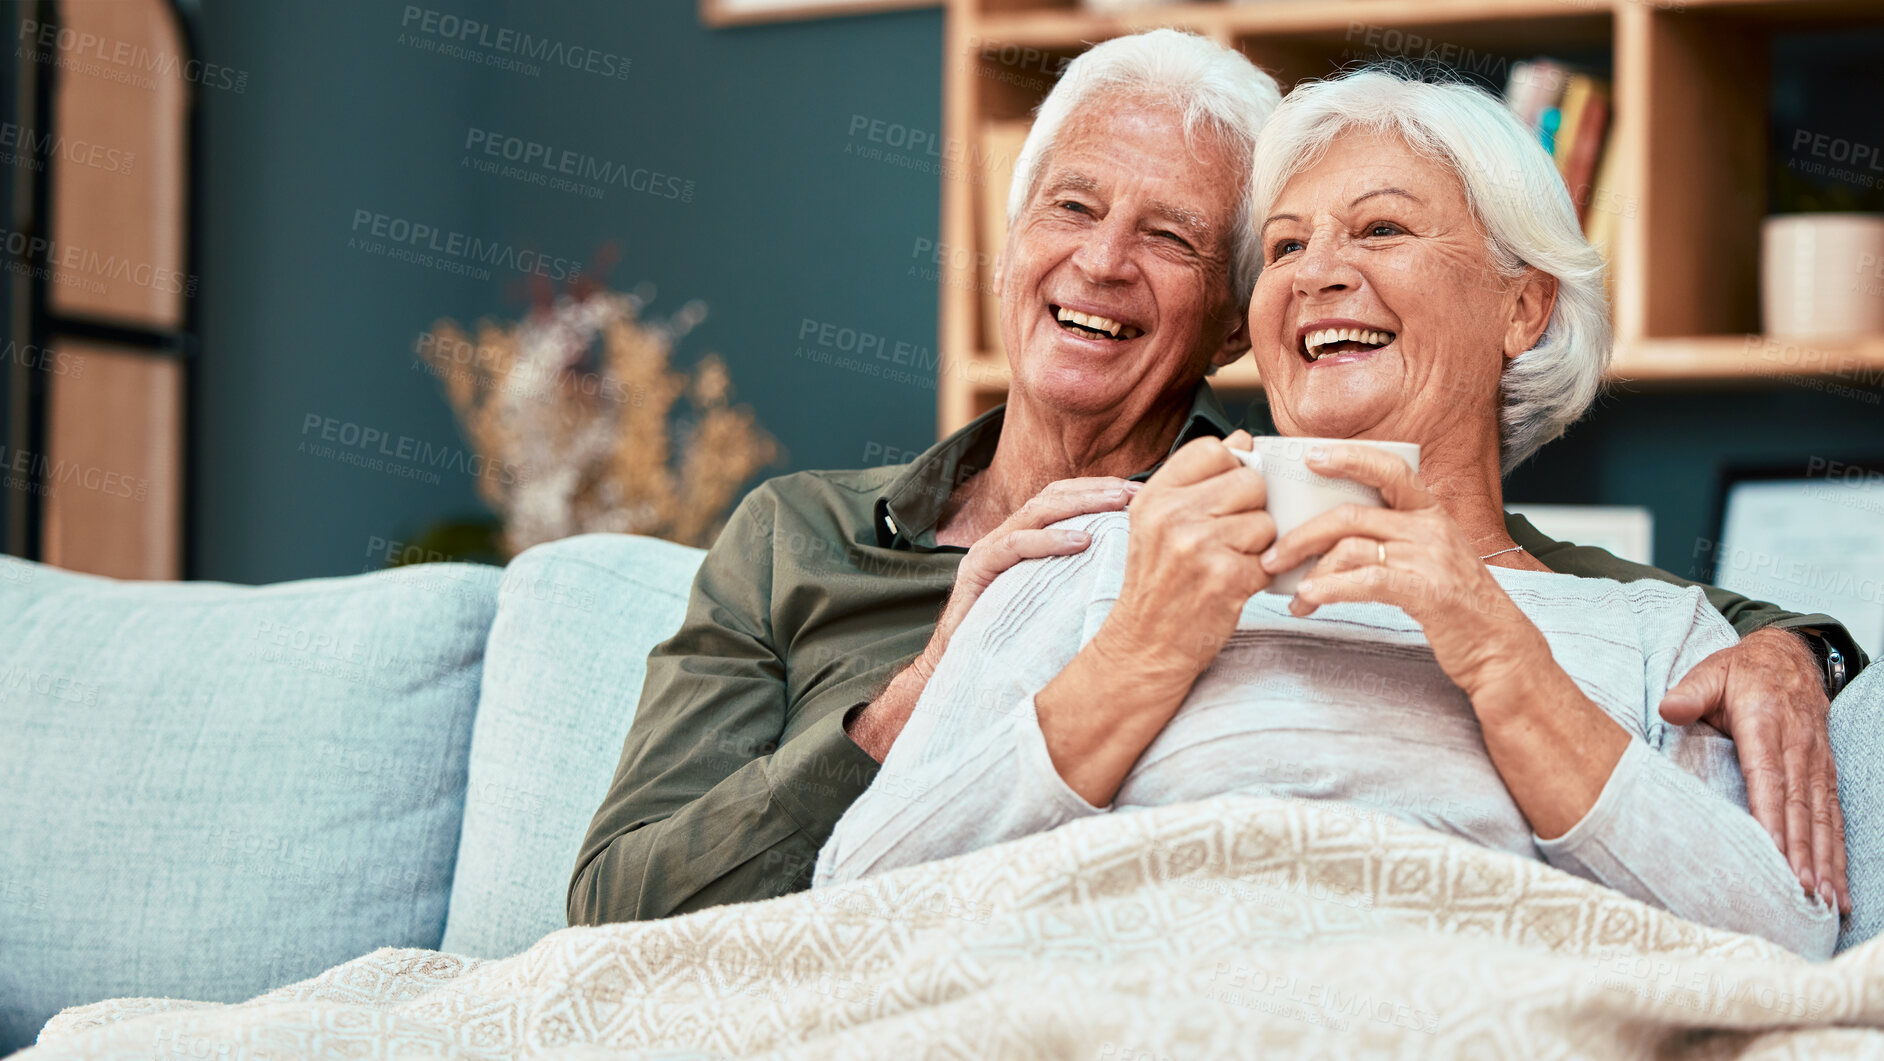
(1297, 495)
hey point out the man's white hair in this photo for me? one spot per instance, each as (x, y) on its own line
(1514, 190)
(1215, 88)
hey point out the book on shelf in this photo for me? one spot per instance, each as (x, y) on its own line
(1577, 93)
(1532, 88)
(1584, 140)
(1569, 110)
(1604, 218)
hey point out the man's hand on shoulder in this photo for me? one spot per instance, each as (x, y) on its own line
(1024, 535)
(1768, 694)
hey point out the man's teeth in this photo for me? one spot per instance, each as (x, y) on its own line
(1326, 337)
(1098, 324)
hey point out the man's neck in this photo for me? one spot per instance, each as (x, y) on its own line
(1038, 447)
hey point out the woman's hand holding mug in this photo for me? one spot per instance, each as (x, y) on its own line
(1298, 493)
(1409, 554)
(1198, 528)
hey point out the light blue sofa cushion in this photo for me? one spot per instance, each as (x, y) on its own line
(575, 621)
(209, 791)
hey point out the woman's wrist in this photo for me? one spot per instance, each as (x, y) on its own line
(1102, 711)
(1514, 673)
(1554, 748)
(1147, 661)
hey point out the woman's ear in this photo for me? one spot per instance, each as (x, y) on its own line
(1530, 314)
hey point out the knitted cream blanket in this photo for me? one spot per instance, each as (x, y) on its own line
(1233, 927)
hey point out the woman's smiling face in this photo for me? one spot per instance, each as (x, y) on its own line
(1380, 312)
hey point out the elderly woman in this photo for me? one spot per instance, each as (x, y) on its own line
(1427, 666)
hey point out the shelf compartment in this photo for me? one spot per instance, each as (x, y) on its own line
(1694, 125)
(1691, 144)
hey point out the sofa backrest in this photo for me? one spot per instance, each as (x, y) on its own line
(576, 619)
(209, 791)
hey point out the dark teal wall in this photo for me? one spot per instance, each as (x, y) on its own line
(788, 223)
(784, 225)
(341, 115)
(1666, 451)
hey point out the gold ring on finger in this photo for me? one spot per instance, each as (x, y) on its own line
(1381, 548)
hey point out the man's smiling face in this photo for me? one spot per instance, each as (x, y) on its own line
(1115, 278)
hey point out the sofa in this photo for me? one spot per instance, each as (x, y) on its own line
(209, 790)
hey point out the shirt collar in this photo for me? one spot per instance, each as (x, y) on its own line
(909, 508)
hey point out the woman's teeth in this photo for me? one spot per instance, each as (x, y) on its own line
(1325, 341)
(1091, 322)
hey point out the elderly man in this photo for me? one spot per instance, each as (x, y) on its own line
(813, 624)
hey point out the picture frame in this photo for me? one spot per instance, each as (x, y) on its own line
(720, 14)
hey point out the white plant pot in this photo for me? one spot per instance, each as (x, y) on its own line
(1822, 275)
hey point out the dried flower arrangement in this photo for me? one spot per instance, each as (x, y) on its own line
(572, 405)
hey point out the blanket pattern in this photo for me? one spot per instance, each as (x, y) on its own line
(1233, 927)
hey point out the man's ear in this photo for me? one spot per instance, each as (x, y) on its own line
(1530, 314)
(1235, 344)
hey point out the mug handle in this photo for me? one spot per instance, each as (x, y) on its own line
(1251, 457)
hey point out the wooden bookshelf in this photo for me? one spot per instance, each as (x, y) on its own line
(1690, 84)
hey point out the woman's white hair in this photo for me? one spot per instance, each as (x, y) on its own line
(1215, 88)
(1514, 190)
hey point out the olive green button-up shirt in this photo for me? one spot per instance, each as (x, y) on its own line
(823, 586)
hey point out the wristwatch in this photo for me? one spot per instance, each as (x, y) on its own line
(1831, 662)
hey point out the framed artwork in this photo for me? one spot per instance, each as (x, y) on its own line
(745, 12)
(1807, 537)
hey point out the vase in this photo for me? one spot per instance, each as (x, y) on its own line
(1822, 275)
